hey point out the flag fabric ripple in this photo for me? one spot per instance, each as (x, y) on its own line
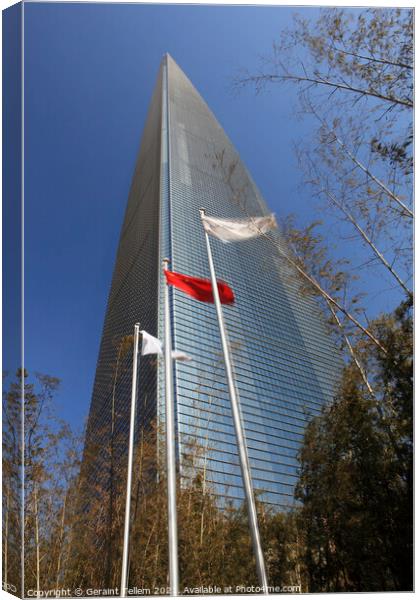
(236, 230)
(150, 344)
(200, 288)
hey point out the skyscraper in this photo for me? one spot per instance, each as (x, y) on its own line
(284, 361)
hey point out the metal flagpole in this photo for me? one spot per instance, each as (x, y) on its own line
(240, 438)
(124, 568)
(170, 449)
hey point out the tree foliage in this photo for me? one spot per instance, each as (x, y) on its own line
(40, 462)
(73, 534)
(356, 475)
(365, 55)
(354, 75)
(351, 530)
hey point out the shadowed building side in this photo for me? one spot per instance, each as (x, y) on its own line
(132, 298)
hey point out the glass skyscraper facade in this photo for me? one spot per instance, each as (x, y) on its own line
(285, 363)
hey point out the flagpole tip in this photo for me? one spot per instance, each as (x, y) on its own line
(202, 211)
(165, 262)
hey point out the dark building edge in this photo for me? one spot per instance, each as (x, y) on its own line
(138, 286)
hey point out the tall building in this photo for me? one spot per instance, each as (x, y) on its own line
(284, 361)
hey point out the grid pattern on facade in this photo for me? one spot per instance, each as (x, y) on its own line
(284, 361)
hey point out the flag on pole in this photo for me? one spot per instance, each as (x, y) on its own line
(179, 355)
(228, 234)
(150, 344)
(236, 230)
(199, 288)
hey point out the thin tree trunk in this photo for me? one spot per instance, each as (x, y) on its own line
(60, 541)
(372, 59)
(258, 79)
(111, 476)
(6, 537)
(361, 166)
(327, 297)
(73, 519)
(353, 354)
(37, 540)
(298, 570)
(202, 509)
(369, 387)
(314, 282)
(378, 182)
(368, 240)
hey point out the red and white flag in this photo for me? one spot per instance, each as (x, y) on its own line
(200, 288)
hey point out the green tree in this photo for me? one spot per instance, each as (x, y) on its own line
(356, 473)
(36, 475)
(12, 483)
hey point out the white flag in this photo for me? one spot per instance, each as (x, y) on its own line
(235, 230)
(178, 355)
(150, 344)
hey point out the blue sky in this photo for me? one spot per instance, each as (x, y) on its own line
(90, 70)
